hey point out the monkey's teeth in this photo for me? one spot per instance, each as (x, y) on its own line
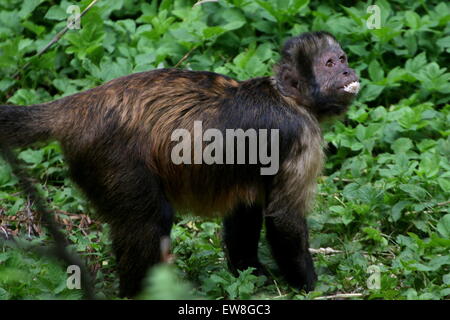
(352, 87)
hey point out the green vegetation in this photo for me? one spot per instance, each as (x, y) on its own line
(384, 197)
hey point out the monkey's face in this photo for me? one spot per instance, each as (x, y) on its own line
(337, 83)
(314, 72)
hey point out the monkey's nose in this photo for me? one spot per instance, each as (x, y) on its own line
(347, 72)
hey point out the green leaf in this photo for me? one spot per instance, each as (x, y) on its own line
(5, 175)
(28, 7)
(446, 279)
(128, 24)
(32, 156)
(38, 30)
(417, 63)
(444, 183)
(299, 5)
(378, 113)
(444, 42)
(359, 49)
(268, 6)
(443, 226)
(425, 144)
(402, 145)
(412, 19)
(56, 13)
(376, 72)
(5, 84)
(183, 35)
(213, 32)
(414, 191)
(370, 92)
(375, 235)
(429, 165)
(24, 97)
(397, 209)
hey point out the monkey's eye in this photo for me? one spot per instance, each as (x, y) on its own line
(329, 63)
(342, 58)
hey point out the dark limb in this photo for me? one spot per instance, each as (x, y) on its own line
(241, 234)
(129, 197)
(288, 201)
(139, 244)
(288, 238)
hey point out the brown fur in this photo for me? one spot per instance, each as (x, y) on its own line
(117, 141)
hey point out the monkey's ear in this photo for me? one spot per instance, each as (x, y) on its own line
(288, 81)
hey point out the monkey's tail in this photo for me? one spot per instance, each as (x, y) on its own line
(21, 126)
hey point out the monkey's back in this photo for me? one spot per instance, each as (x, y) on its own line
(134, 117)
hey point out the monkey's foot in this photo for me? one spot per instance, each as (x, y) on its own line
(301, 275)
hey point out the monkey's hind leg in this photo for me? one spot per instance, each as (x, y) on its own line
(140, 242)
(130, 199)
(241, 235)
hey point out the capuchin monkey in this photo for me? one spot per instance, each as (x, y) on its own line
(118, 140)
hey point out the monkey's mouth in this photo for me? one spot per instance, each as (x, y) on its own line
(352, 87)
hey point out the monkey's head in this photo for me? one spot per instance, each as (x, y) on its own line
(313, 71)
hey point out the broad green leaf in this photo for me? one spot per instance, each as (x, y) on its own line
(443, 226)
(30, 156)
(24, 97)
(402, 145)
(414, 191)
(444, 183)
(28, 7)
(397, 209)
(56, 13)
(412, 19)
(444, 42)
(376, 71)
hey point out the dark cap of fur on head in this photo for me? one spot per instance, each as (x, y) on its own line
(300, 50)
(296, 63)
(309, 43)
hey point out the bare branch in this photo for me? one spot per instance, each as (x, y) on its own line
(324, 251)
(47, 217)
(340, 296)
(185, 57)
(204, 1)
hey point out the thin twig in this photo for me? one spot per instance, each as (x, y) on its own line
(439, 204)
(204, 1)
(340, 296)
(60, 249)
(343, 179)
(55, 39)
(30, 217)
(278, 289)
(185, 57)
(324, 251)
(5, 232)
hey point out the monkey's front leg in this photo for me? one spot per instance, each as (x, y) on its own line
(288, 237)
